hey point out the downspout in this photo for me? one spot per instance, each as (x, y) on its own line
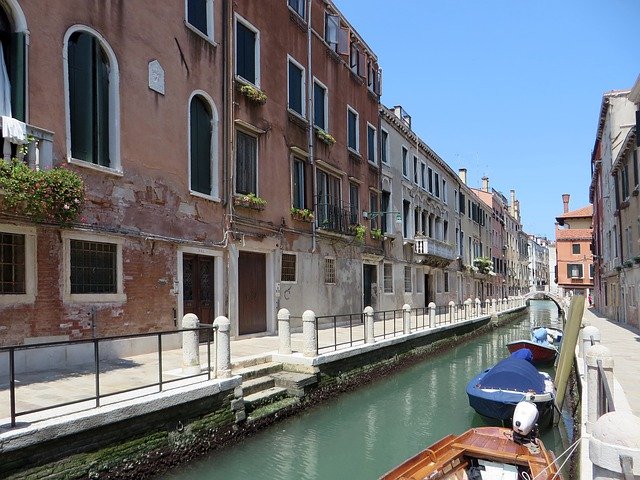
(227, 150)
(311, 114)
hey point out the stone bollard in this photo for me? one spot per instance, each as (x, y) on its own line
(467, 309)
(487, 307)
(284, 332)
(406, 318)
(223, 351)
(478, 305)
(615, 442)
(309, 334)
(452, 312)
(190, 346)
(494, 307)
(505, 304)
(588, 332)
(592, 355)
(432, 315)
(368, 325)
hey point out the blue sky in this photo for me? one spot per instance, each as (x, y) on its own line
(510, 89)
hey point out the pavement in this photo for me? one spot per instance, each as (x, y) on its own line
(623, 341)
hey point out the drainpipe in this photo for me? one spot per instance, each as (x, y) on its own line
(310, 110)
(227, 151)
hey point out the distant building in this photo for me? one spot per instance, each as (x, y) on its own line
(538, 264)
(574, 265)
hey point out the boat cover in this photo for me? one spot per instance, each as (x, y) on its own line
(523, 353)
(540, 336)
(513, 374)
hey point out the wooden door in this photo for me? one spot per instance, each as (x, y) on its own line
(252, 293)
(198, 288)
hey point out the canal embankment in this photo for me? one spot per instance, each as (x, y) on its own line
(142, 435)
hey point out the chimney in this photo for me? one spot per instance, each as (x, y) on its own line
(485, 184)
(565, 201)
(462, 173)
(512, 203)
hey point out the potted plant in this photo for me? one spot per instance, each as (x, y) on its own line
(483, 264)
(250, 200)
(325, 137)
(376, 234)
(359, 231)
(254, 94)
(302, 214)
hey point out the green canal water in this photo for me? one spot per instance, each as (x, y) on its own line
(363, 434)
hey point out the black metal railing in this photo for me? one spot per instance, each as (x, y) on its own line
(352, 337)
(387, 323)
(336, 217)
(605, 396)
(98, 366)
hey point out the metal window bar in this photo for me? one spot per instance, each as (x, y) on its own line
(11, 351)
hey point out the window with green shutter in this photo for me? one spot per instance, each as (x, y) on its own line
(246, 60)
(200, 128)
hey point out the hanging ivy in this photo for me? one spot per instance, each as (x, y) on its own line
(55, 195)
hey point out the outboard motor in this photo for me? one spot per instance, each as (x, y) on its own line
(524, 424)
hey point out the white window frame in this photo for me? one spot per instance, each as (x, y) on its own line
(326, 104)
(68, 297)
(295, 273)
(214, 194)
(30, 266)
(235, 159)
(444, 196)
(303, 87)
(405, 161)
(242, 20)
(210, 22)
(114, 103)
(301, 2)
(352, 110)
(373, 161)
(384, 287)
(384, 146)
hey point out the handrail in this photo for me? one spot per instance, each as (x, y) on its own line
(98, 396)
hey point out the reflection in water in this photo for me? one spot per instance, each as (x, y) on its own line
(365, 433)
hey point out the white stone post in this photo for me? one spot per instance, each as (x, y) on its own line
(467, 309)
(190, 346)
(487, 306)
(452, 312)
(284, 332)
(592, 355)
(406, 318)
(494, 308)
(309, 334)
(505, 304)
(432, 315)
(478, 304)
(223, 350)
(588, 332)
(615, 442)
(368, 325)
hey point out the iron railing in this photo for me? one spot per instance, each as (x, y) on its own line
(605, 396)
(387, 323)
(98, 362)
(348, 321)
(336, 217)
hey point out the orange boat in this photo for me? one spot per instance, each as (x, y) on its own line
(482, 453)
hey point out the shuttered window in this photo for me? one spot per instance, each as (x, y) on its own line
(319, 106)
(371, 144)
(197, 15)
(246, 163)
(352, 130)
(298, 183)
(296, 88)
(89, 99)
(200, 129)
(246, 60)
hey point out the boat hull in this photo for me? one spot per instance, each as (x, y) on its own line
(542, 354)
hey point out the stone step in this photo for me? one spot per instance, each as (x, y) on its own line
(259, 370)
(255, 400)
(295, 383)
(258, 384)
(251, 360)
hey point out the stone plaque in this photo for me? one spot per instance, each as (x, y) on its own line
(156, 77)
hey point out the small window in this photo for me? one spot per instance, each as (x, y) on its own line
(288, 267)
(200, 16)
(405, 164)
(93, 267)
(352, 129)
(247, 52)
(575, 248)
(371, 144)
(330, 270)
(408, 287)
(296, 87)
(387, 277)
(436, 181)
(416, 170)
(384, 140)
(430, 179)
(297, 6)
(246, 163)
(446, 281)
(298, 183)
(12, 264)
(574, 270)
(320, 106)
(373, 207)
(354, 202)
(200, 131)
(423, 175)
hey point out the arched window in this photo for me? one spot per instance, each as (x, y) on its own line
(201, 129)
(92, 99)
(12, 71)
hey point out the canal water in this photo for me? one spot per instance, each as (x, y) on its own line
(363, 434)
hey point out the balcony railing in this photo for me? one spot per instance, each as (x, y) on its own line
(39, 151)
(433, 247)
(336, 217)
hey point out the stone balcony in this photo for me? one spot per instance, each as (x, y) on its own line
(39, 149)
(432, 252)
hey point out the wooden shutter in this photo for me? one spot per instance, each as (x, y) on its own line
(362, 64)
(200, 147)
(101, 98)
(246, 146)
(81, 103)
(343, 41)
(245, 53)
(332, 27)
(197, 14)
(637, 128)
(378, 86)
(17, 75)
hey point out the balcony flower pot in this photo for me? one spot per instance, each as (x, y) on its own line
(325, 137)
(250, 200)
(376, 234)
(302, 214)
(358, 231)
(253, 94)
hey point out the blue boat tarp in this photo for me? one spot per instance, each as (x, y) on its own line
(513, 374)
(540, 336)
(524, 354)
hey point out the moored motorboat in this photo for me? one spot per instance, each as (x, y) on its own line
(496, 391)
(553, 334)
(542, 354)
(485, 452)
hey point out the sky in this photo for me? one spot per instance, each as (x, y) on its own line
(510, 89)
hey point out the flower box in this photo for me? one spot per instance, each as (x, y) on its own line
(250, 201)
(325, 137)
(302, 214)
(254, 94)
